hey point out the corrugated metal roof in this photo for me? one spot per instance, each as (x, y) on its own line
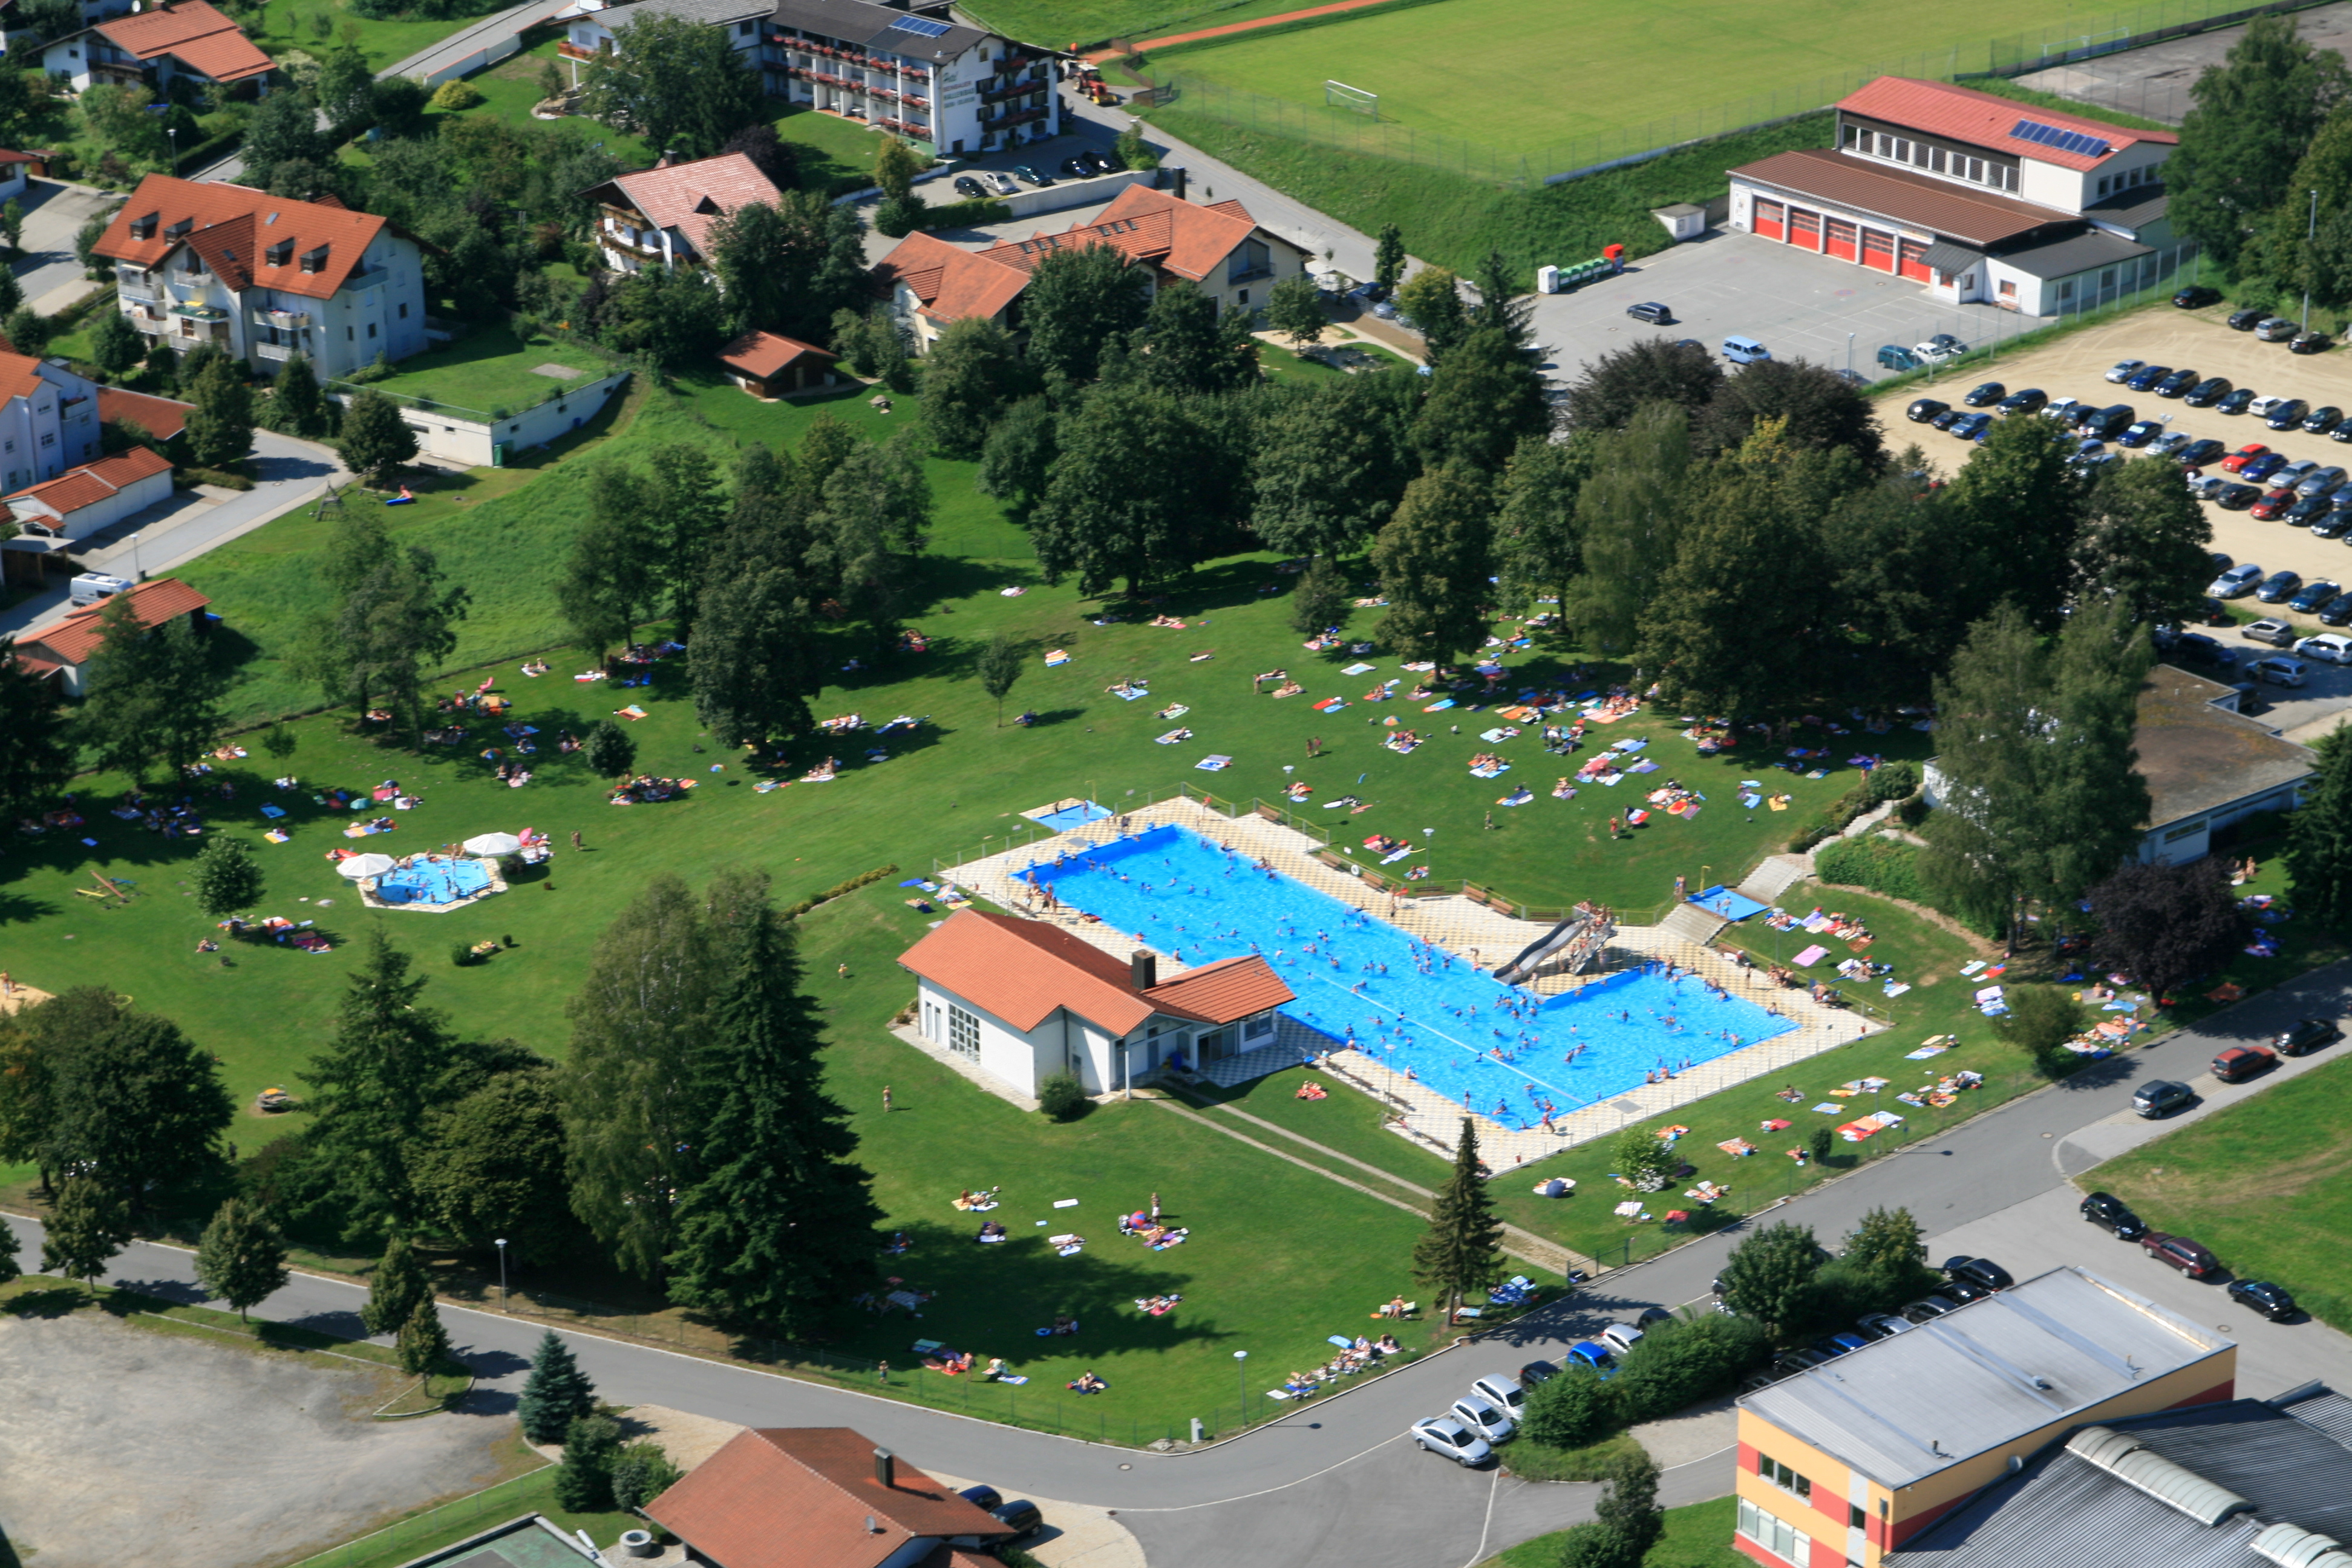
(1971, 1381)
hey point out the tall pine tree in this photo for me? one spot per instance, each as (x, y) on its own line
(2319, 836)
(386, 1067)
(778, 1233)
(556, 1393)
(396, 1289)
(1462, 1249)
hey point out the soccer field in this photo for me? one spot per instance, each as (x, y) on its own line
(1502, 74)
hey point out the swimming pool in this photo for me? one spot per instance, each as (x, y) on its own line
(433, 882)
(1360, 980)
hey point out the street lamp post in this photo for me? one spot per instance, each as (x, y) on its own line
(2310, 237)
(1241, 1378)
(502, 1273)
(133, 543)
(1849, 353)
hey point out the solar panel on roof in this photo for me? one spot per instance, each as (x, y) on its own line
(2062, 140)
(921, 26)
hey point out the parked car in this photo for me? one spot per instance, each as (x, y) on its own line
(2196, 297)
(2200, 452)
(1101, 163)
(2310, 343)
(2203, 649)
(2145, 378)
(1620, 1337)
(2107, 1211)
(2240, 1063)
(2237, 498)
(1489, 1420)
(1030, 175)
(2322, 419)
(2320, 481)
(2161, 1097)
(2274, 329)
(2278, 671)
(2236, 461)
(2246, 320)
(2180, 1252)
(1983, 1271)
(1444, 1435)
(2234, 402)
(2308, 1035)
(1963, 1290)
(1589, 1353)
(1509, 1393)
(2269, 629)
(967, 186)
(1928, 1308)
(2318, 591)
(2294, 473)
(2273, 502)
(986, 1499)
(2107, 422)
(2178, 384)
(1756, 1382)
(1970, 427)
(1076, 168)
(2065, 411)
(1985, 394)
(2258, 470)
(2260, 408)
(2139, 432)
(1835, 1346)
(1923, 409)
(2027, 401)
(999, 183)
(1884, 1325)
(2336, 612)
(2288, 416)
(2307, 510)
(1652, 312)
(1797, 1361)
(2343, 431)
(2278, 587)
(2263, 1297)
(2124, 370)
(2170, 443)
(2088, 446)
(1944, 421)
(1894, 356)
(2207, 392)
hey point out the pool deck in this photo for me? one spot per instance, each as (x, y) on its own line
(1459, 925)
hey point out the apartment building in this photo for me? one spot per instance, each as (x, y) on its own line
(182, 39)
(262, 277)
(48, 420)
(662, 217)
(1976, 197)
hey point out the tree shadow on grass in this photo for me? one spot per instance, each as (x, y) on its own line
(58, 1301)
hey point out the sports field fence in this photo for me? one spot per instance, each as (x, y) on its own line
(2012, 55)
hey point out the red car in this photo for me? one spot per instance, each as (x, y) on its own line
(2181, 1253)
(2272, 503)
(2243, 455)
(2240, 1063)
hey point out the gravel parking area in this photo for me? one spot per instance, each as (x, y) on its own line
(119, 1445)
(2154, 83)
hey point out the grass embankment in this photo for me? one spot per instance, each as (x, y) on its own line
(492, 373)
(1698, 1536)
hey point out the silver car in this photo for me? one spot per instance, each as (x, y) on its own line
(1002, 184)
(1496, 1388)
(1489, 1420)
(1445, 1434)
(2320, 482)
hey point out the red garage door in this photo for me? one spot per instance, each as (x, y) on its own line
(1840, 239)
(1768, 216)
(1914, 262)
(1878, 250)
(1804, 228)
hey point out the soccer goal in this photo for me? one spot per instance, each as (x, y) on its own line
(1355, 98)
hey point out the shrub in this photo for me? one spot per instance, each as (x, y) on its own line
(1880, 865)
(610, 750)
(1062, 1097)
(1819, 1143)
(458, 94)
(1679, 1363)
(462, 955)
(642, 1472)
(1647, 1159)
(964, 214)
(898, 216)
(585, 1483)
(1569, 1411)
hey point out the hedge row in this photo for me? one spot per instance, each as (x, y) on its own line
(1888, 781)
(1880, 865)
(840, 889)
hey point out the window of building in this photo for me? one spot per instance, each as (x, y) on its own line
(1775, 1535)
(1936, 159)
(963, 1033)
(1242, 297)
(1856, 1516)
(2185, 830)
(2066, 289)
(1919, 154)
(1975, 170)
(2102, 188)
(404, 311)
(1257, 1029)
(1781, 1475)
(370, 329)
(48, 439)
(745, 29)
(2009, 288)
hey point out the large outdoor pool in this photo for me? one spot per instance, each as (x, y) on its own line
(433, 881)
(1360, 980)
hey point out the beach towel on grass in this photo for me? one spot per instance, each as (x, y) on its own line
(1214, 765)
(1173, 737)
(1132, 693)
(1828, 1109)
(1359, 669)
(1330, 705)
(632, 712)
(1398, 854)
(1056, 657)
(1812, 955)
(1439, 706)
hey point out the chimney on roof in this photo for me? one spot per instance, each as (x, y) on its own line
(1143, 969)
(886, 1468)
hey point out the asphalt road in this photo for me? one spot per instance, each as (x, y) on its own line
(48, 270)
(1335, 1484)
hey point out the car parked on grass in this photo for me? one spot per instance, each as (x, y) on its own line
(1444, 1435)
(2270, 630)
(2026, 401)
(1985, 394)
(2180, 1252)
(1489, 1420)
(2124, 370)
(2246, 320)
(2207, 392)
(2263, 1297)
(2161, 1097)
(2315, 592)
(2278, 671)
(2234, 402)
(2240, 1063)
(2274, 329)
(2178, 384)
(2278, 587)
(2308, 1035)
(2108, 1213)
(1981, 1272)
(2310, 343)
(2196, 296)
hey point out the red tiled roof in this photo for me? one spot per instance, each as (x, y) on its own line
(800, 1497)
(1023, 969)
(763, 354)
(192, 31)
(236, 229)
(1984, 120)
(94, 482)
(1975, 217)
(1150, 227)
(8, 157)
(688, 197)
(953, 283)
(73, 639)
(20, 376)
(162, 417)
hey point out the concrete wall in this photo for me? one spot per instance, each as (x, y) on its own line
(88, 519)
(1062, 193)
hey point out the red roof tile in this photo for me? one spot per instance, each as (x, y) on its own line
(1984, 120)
(763, 354)
(953, 283)
(73, 639)
(802, 1497)
(1959, 212)
(94, 482)
(162, 417)
(20, 376)
(688, 197)
(192, 31)
(1223, 992)
(1023, 969)
(251, 224)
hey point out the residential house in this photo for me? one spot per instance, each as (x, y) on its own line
(821, 1497)
(63, 648)
(2250, 1483)
(48, 420)
(769, 364)
(17, 171)
(80, 502)
(1023, 1000)
(1219, 249)
(1846, 1463)
(662, 217)
(263, 277)
(1975, 196)
(179, 40)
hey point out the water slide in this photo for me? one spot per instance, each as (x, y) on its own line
(1524, 966)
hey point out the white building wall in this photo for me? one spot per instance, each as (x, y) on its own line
(54, 429)
(449, 435)
(88, 519)
(1015, 1058)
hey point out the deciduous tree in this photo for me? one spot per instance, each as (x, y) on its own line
(1629, 513)
(2039, 1021)
(1538, 544)
(690, 504)
(756, 657)
(1293, 306)
(896, 164)
(1079, 298)
(612, 575)
(1186, 345)
(241, 1258)
(1815, 408)
(1647, 1159)
(115, 346)
(2145, 543)
(152, 695)
(970, 377)
(2165, 925)
(1136, 490)
(1331, 461)
(676, 82)
(1322, 598)
(1462, 1249)
(2253, 116)
(876, 520)
(375, 438)
(1433, 298)
(88, 1227)
(1770, 1277)
(228, 879)
(610, 750)
(998, 666)
(1016, 465)
(1433, 559)
(1646, 370)
(283, 128)
(134, 1106)
(492, 1166)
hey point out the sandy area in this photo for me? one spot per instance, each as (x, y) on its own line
(119, 1445)
(2075, 367)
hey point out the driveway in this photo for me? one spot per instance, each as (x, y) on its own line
(48, 272)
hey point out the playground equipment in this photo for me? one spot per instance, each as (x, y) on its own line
(1576, 944)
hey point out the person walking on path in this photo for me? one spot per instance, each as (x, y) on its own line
(886, 1099)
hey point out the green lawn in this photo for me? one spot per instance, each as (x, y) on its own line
(1698, 1536)
(1059, 24)
(491, 371)
(2258, 1184)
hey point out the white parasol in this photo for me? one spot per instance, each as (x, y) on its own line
(493, 844)
(360, 866)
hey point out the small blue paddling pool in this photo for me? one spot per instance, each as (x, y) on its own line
(434, 881)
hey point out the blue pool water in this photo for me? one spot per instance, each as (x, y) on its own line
(1071, 817)
(1182, 894)
(433, 882)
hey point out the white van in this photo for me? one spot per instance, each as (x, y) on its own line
(1744, 350)
(91, 586)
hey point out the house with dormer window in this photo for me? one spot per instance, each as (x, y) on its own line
(662, 216)
(179, 40)
(263, 279)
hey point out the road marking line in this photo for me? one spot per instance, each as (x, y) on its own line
(1269, 1492)
(1486, 1524)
